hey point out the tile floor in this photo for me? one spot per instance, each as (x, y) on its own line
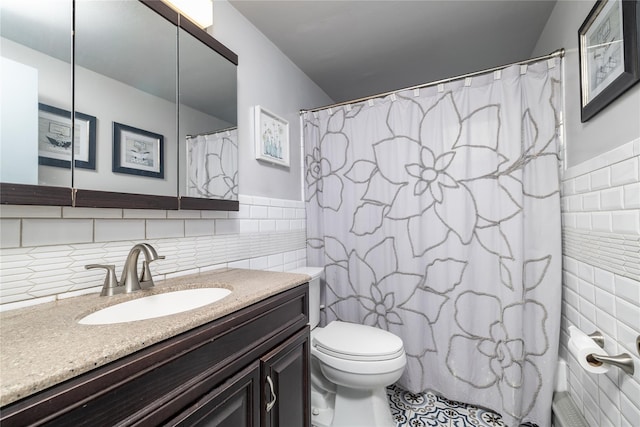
(430, 410)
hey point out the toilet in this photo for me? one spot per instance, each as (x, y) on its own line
(351, 366)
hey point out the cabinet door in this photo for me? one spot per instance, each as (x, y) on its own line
(285, 383)
(233, 404)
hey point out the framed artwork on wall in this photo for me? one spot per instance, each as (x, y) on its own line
(271, 137)
(137, 151)
(54, 138)
(609, 45)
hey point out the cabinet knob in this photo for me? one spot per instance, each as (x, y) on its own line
(271, 404)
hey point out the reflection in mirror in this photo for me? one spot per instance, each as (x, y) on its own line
(207, 121)
(125, 77)
(35, 92)
(212, 165)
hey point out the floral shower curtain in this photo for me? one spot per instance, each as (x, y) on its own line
(212, 160)
(436, 214)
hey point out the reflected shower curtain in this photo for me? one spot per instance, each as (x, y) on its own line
(436, 214)
(212, 161)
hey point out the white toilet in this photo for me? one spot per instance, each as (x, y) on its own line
(351, 366)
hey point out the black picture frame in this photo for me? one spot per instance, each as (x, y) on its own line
(137, 152)
(609, 42)
(54, 138)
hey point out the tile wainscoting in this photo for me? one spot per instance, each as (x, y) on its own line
(601, 289)
(43, 250)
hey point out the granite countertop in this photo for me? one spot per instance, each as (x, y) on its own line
(43, 345)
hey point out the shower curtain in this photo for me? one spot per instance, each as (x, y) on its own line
(212, 160)
(436, 214)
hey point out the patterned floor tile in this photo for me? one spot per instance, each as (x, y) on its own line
(430, 410)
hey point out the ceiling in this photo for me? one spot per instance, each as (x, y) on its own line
(354, 49)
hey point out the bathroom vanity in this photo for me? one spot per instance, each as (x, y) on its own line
(241, 361)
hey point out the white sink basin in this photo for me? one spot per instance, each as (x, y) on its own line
(155, 306)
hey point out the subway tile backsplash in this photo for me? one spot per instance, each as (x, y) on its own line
(51, 231)
(44, 249)
(601, 280)
(108, 230)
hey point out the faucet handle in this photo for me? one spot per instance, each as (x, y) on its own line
(110, 286)
(146, 281)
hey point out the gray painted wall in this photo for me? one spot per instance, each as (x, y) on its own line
(266, 77)
(618, 123)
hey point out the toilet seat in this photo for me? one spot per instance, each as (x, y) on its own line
(359, 367)
(360, 349)
(356, 342)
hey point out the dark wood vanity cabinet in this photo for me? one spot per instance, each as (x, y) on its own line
(285, 383)
(239, 401)
(225, 373)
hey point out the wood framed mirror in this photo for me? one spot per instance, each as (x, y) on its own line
(133, 111)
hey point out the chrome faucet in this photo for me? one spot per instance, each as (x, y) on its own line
(130, 280)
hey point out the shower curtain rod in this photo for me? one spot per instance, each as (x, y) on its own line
(229, 129)
(559, 52)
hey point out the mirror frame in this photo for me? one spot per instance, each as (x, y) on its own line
(42, 195)
(26, 194)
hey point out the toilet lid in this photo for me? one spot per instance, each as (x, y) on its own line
(357, 342)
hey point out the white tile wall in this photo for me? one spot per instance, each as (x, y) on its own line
(9, 233)
(164, 228)
(43, 250)
(109, 230)
(601, 280)
(48, 231)
(69, 212)
(199, 227)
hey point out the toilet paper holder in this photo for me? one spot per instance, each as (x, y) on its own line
(622, 361)
(598, 338)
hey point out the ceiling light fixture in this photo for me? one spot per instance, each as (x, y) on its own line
(199, 11)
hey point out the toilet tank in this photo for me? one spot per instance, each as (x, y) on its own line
(314, 292)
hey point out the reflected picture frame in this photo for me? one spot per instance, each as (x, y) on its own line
(608, 42)
(137, 151)
(271, 135)
(54, 138)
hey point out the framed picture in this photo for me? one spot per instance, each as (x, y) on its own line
(54, 138)
(271, 137)
(137, 151)
(609, 42)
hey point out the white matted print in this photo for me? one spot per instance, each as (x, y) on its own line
(137, 151)
(604, 49)
(54, 138)
(271, 137)
(609, 52)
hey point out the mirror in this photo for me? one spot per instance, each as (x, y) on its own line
(125, 77)
(129, 149)
(207, 121)
(35, 135)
